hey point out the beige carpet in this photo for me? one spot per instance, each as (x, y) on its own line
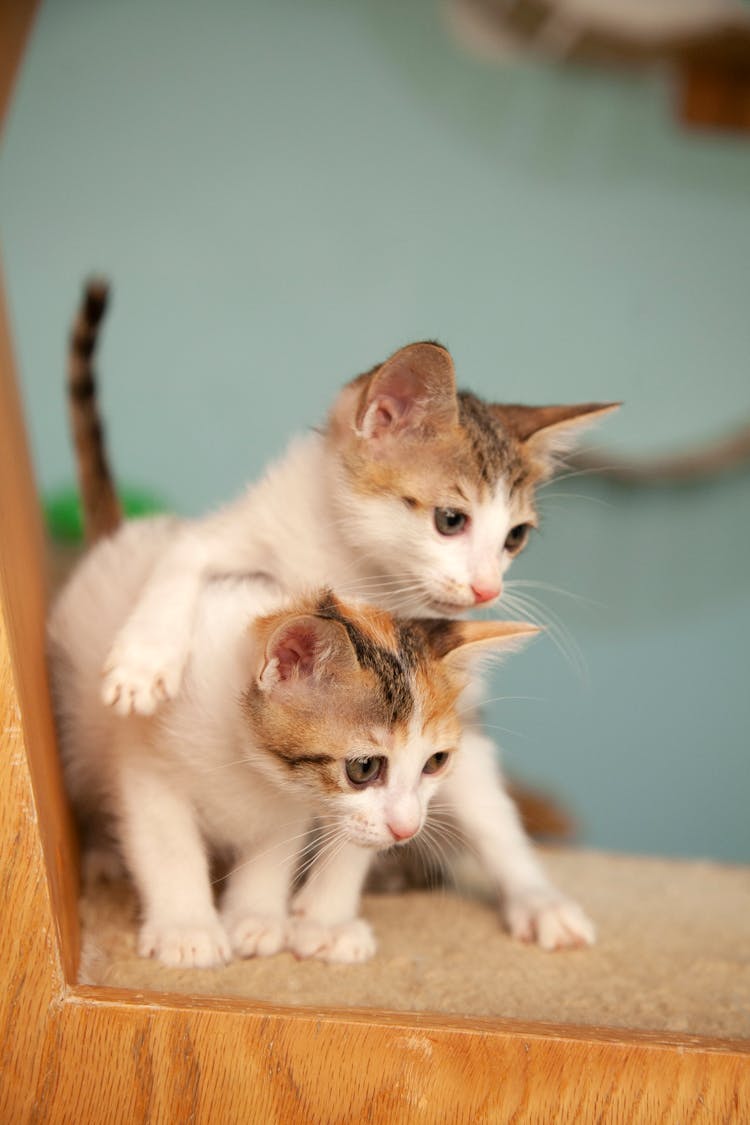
(673, 953)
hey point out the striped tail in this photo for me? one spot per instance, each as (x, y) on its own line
(102, 513)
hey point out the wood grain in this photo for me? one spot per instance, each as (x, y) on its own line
(22, 588)
(31, 967)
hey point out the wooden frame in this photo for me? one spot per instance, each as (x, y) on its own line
(80, 1054)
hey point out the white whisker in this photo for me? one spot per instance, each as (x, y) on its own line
(591, 471)
(469, 707)
(313, 843)
(533, 584)
(545, 500)
(334, 848)
(559, 634)
(506, 730)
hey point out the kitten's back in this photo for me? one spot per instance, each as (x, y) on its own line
(85, 617)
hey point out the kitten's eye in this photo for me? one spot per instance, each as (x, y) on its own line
(436, 762)
(448, 521)
(363, 771)
(516, 537)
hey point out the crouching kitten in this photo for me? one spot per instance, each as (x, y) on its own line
(290, 714)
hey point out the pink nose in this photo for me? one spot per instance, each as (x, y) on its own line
(484, 594)
(402, 831)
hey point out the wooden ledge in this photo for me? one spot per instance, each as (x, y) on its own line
(673, 955)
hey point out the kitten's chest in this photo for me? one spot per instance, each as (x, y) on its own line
(237, 808)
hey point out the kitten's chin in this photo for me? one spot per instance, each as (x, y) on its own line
(446, 609)
(372, 845)
(387, 843)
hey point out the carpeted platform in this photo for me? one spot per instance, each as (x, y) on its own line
(673, 953)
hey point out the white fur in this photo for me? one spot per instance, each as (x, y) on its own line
(189, 779)
(304, 525)
(435, 572)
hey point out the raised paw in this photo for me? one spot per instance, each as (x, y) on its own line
(187, 947)
(255, 936)
(346, 943)
(138, 677)
(549, 920)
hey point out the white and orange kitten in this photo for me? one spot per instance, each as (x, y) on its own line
(413, 497)
(314, 711)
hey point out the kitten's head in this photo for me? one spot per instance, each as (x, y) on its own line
(435, 487)
(359, 709)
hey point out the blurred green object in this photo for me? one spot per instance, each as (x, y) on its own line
(62, 511)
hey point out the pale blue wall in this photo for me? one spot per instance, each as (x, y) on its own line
(284, 192)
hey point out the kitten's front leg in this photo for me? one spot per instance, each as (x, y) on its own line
(324, 921)
(145, 665)
(167, 858)
(533, 909)
(256, 904)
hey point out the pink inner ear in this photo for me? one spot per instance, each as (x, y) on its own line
(414, 387)
(382, 415)
(295, 654)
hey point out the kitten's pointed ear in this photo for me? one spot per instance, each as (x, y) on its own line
(461, 644)
(414, 389)
(549, 431)
(303, 650)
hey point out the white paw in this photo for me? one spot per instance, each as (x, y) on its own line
(184, 946)
(137, 678)
(255, 936)
(549, 920)
(347, 943)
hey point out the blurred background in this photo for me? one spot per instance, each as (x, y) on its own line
(284, 193)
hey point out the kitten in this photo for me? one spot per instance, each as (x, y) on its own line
(414, 497)
(308, 710)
